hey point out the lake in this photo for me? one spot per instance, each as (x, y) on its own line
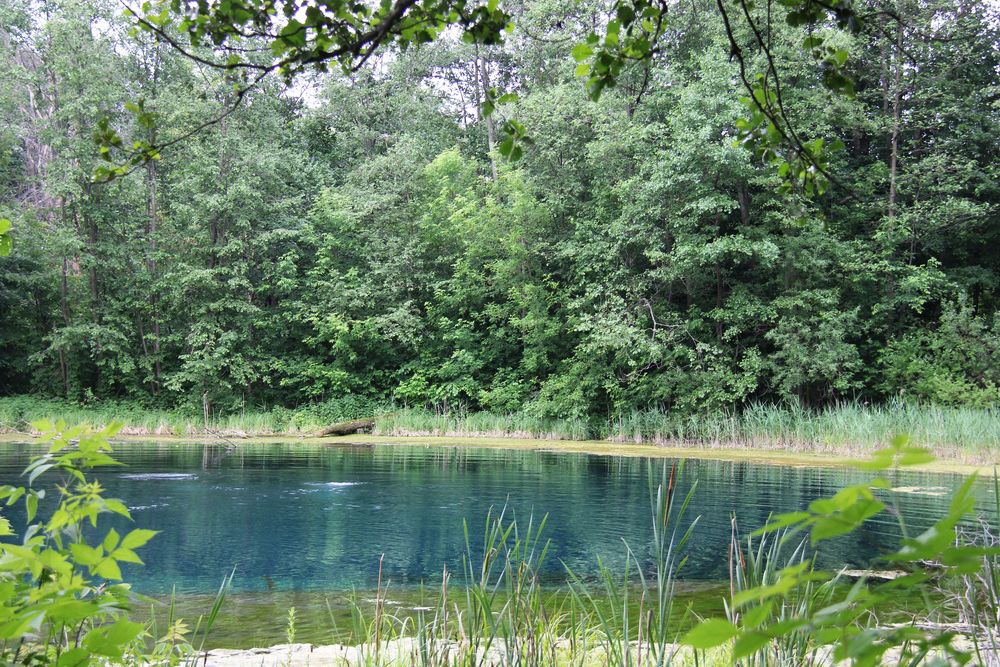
(299, 519)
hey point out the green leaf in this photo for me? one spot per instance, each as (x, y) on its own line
(753, 617)
(38, 471)
(108, 569)
(137, 538)
(31, 503)
(84, 554)
(74, 657)
(42, 425)
(582, 51)
(126, 555)
(111, 641)
(750, 643)
(111, 540)
(782, 521)
(710, 633)
(117, 507)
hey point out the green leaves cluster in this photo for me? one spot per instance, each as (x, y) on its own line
(110, 144)
(6, 240)
(303, 36)
(52, 611)
(633, 33)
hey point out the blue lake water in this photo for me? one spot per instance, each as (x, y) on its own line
(318, 518)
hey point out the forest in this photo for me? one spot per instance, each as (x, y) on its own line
(361, 235)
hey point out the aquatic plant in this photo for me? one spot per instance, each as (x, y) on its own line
(758, 562)
(654, 630)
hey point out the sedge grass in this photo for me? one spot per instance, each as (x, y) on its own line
(17, 413)
(968, 434)
(971, 434)
(503, 615)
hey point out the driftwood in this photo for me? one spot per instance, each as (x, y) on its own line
(349, 427)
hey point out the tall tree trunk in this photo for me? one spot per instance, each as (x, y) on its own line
(64, 304)
(894, 156)
(95, 293)
(896, 120)
(484, 79)
(154, 298)
(743, 195)
(718, 282)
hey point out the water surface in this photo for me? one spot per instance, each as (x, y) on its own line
(318, 518)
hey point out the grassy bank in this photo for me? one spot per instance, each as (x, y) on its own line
(17, 412)
(967, 434)
(970, 435)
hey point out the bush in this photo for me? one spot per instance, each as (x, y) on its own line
(958, 363)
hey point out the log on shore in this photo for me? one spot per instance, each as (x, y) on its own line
(349, 427)
(345, 428)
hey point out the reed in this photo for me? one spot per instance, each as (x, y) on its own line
(17, 412)
(503, 615)
(974, 597)
(649, 639)
(482, 424)
(970, 434)
(855, 429)
(755, 565)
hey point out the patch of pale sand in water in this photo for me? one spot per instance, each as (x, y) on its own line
(923, 490)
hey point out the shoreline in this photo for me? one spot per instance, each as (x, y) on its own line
(836, 456)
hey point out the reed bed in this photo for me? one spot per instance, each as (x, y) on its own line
(17, 412)
(409, 422)
(501, 615)
(966, 434)
(971, 434)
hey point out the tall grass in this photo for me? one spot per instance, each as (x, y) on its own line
(17, 412)
(975, 596)
(852, 428)
(847, 427)
(972, 433)
(503, 616)
(756, 564)
(482, 424)
(655, 628)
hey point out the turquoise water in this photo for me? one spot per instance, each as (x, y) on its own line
(293, 518)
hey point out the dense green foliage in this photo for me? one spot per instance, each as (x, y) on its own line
(366, 241)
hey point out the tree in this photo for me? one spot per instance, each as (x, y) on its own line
(252, 39)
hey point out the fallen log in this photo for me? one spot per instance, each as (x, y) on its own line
(349, 427)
